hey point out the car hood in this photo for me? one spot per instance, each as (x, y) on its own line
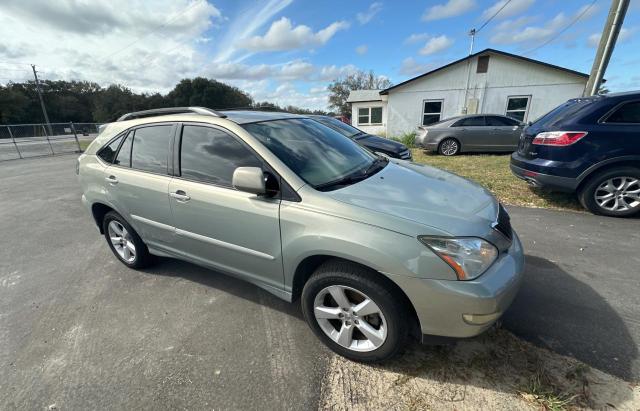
(379, 143)
(424, 195)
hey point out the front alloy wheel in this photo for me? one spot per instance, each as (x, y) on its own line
(356, 312)
(350, 318)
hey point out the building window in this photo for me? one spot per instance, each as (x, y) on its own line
(518, 107)
(369, 115)
(431, 111)
(483, 64)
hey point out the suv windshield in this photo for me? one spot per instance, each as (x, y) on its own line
(339, 126)
(319, 155)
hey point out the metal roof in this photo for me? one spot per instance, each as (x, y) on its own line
(364, 95)
(485, 51)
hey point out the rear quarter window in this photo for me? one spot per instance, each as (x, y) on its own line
(108, 152)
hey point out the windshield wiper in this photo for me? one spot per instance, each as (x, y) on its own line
(344, 181)
(377, 164)
(353, 178)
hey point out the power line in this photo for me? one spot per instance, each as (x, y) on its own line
(192, 5)
(492, 17)
(558, 34)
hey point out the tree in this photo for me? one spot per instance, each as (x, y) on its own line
(360, 80)
(205, 92)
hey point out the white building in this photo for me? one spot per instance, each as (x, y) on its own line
(490, 81)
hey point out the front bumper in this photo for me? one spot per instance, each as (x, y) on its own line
(462, 309)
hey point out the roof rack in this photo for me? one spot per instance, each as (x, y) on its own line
(170, 110)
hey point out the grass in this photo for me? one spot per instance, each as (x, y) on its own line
(492, 171)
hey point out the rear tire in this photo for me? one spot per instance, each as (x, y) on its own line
(364, 323)
(449, 147)
(124, 242)
(614, 192)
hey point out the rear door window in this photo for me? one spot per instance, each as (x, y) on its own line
(470, 122)
(496, 121)
(150, 151)
(124, 155)
(628, 113)
(210, 155)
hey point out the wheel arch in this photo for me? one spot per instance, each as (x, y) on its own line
(308, 266)
(99, 210)
(603, 166)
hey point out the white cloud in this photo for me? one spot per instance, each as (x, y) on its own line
(436, 44)
(366, 16)
(625, 34)
(417, 38)
(410, 67)
(515, 24)
(287, 93)
(318, 90)
(283, 36)
(506, 34)
(248, 22)
(330, 73)
(362, 49)
(451, 8)
(147, 46)
(297, 70)
(513, 8)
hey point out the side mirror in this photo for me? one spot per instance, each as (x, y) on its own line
(249, 179)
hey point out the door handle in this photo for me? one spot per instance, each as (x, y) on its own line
(111, 180)
(181, 196)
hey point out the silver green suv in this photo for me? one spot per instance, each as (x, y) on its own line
(376, 250)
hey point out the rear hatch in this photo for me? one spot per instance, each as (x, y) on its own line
(552, 121)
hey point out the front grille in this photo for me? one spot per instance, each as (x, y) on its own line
(503, 224)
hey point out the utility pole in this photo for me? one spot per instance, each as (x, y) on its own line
(44, 110)
(472, 33)
(607, 43)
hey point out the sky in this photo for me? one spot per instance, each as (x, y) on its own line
(288, 51)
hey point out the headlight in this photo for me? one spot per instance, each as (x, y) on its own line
(469, 257)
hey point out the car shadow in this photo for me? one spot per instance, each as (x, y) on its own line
(170, 267)
(552, 310)
(556, 311)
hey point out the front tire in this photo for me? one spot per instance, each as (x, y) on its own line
(353, 313)
(449, 147)
(124, 242)
(614, 192)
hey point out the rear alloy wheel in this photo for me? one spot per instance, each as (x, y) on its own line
(354, 312)
(614, 193)
(125, 243)
(449, 147)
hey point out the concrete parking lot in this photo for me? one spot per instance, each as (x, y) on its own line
(78, 330)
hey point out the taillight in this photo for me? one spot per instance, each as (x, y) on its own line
(558, 138)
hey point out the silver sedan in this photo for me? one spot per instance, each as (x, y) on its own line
(488, 132)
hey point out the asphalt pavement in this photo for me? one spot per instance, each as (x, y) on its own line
(78, 330)
(581, 294)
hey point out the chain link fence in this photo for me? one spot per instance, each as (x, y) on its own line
(35, 140)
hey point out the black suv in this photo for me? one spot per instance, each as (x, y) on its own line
(590, 146)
